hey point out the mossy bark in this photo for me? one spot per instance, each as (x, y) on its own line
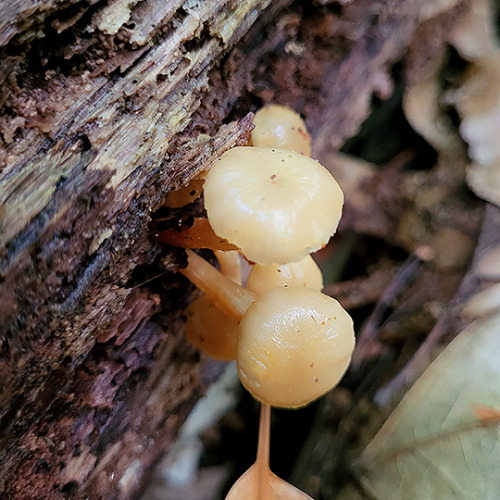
(104, 108)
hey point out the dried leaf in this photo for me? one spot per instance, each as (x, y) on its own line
(477, 100)
(484, 303)
(475, 36)
(484, 180)
(488, 265)
(422, 110)
(435, 445)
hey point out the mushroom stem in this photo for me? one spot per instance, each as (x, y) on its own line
(227, 295)
(264, 436)
(230, 264)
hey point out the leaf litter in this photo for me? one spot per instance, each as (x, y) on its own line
(442, 440)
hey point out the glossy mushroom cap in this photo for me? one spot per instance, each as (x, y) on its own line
(275, 205)
(295, 345)
(306, 272)
(209, 329)
(281, 127)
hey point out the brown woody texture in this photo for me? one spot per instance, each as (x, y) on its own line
(104, 108)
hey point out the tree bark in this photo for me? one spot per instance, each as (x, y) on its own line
(104, 108)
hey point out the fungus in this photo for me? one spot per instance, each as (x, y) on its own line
(291, 342)
(306, 273)
(280, 127)
(186, 194)
(275, 205)
(294, 344)
(209, 329)
(227, 295)
(258, 482)
(199, 235)
(230, 264)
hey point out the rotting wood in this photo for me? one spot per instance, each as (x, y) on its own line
(99, 118)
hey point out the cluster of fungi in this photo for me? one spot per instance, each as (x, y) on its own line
(272, 205)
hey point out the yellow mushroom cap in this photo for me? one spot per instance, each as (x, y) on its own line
(294, 345)
(209, 329)
(280, 127)
(306, 272)
(275, 205)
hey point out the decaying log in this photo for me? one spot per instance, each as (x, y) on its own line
(104, 108)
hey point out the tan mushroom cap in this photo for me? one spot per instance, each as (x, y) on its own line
(306, 272)
(281, 127)
(209, 329)
(295, 345)
(275, 205)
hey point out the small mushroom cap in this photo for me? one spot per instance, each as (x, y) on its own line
(295, 345)
(186, 194)
(306, 272)
(209, 329)
(280, 127)
(275, 205)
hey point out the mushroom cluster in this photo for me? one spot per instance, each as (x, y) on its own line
(274, 207)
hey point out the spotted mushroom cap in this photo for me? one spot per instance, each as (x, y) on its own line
(275, 205)
(279, 126)
(294, 345)
(306, 273)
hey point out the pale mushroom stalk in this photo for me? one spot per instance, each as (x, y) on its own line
(258, 482)
(207, 326)
(230, 264)
(227, 295)
(264, 441)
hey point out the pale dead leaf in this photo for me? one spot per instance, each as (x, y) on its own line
(484, 180)
(478, 98)
(478, 103)
(421, 107)
(482, 304)
(351, 173)
(488, 265)
(474, 36)
(432, 8)
(434, 446)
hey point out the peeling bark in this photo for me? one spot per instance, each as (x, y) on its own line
(104, 108)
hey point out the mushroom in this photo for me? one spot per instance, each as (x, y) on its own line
(275, 205)
(228, 296)
(306, 273)
(230, 264)
(198, 235)
(209, 329)
(186, 194)
(258, 482)
(294, 343)
(280, 127)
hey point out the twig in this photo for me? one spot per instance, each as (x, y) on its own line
(370, 328)
(415, 365)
